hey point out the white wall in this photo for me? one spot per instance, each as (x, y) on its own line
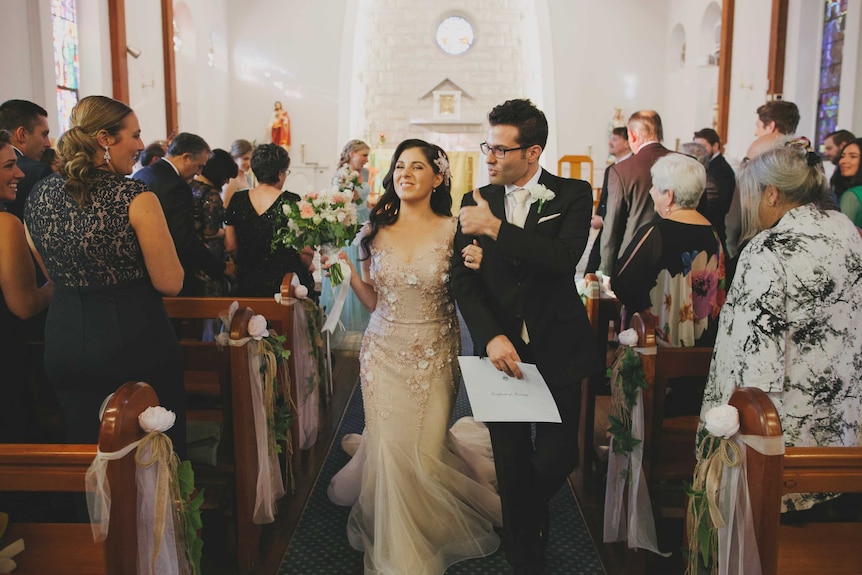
(147, 73)
(294, 43)
(607, 55)
(592, 57)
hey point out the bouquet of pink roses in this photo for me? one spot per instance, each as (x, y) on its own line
(325, 219)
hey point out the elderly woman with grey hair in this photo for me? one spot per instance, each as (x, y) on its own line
(673, 269)
(792, 321)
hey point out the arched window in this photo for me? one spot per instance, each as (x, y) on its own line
(830, 69)
(65, 31)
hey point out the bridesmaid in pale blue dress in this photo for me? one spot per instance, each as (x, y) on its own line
(354, 316)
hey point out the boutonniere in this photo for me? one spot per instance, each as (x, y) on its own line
(541, 194)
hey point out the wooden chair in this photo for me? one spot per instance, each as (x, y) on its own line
(798, 548)
(576, 164)
(55, 547)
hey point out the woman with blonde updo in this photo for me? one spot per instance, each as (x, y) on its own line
(104, 242)
(354, 156)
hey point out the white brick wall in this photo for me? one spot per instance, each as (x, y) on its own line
(399, 62)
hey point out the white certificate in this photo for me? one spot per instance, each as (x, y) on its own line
(495, 396)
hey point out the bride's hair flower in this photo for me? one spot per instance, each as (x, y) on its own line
(442, 163)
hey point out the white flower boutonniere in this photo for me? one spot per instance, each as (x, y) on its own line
(541, 194)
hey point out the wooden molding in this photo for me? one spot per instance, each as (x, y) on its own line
(724, 66)
(119, 57)
(777, 45)
(171, 115)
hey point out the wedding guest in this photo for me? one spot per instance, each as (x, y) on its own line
(353, 158)
(791, 322)
(209, 212)
(833, 145)
(151, 153)
(673, 269)
(618, 147)
(421, 498)
(522, 305)
(52, 159)
(251, 220)
(851, 199)
(240, 151)
(20, 298)
(169, 178)
(28, 125)
(104, 241)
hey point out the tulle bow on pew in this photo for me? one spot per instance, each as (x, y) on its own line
(628, 509)
(271, 421)
(719, 525)
(164, 546)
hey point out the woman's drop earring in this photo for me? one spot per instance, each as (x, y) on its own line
(433, 190)
(107, 154)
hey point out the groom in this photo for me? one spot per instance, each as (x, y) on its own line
(522, 306)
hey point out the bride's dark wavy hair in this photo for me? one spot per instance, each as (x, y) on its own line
(385, 213)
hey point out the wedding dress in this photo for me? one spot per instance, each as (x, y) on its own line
(423, 496)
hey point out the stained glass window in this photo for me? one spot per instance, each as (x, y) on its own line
(65, 25)
(832, 47)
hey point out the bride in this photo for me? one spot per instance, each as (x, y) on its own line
(422, 498)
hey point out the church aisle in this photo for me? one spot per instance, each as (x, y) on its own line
(319, 546)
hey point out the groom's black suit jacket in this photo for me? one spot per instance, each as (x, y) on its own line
(529, 275)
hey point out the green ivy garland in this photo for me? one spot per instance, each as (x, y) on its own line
(626, 378)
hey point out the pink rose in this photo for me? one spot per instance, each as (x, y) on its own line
(306, 210)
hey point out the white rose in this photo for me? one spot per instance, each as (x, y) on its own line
(629, 337)
(316, 219)
(722, 421)
(156, 419)
(257, 327)
(300, 292)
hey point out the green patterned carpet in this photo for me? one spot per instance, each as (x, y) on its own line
(320, 547)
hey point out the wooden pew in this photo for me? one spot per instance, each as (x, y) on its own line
(56, 547)
(800, 548)
(210, 370)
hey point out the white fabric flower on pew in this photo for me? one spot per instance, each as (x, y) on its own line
(722, 421)
(629, 337)
(257, 327)
(156, 419)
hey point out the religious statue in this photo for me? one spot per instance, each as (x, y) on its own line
(280, 126)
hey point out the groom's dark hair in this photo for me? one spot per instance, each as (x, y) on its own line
(524, 115)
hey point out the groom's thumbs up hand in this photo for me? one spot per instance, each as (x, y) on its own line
(478, 220)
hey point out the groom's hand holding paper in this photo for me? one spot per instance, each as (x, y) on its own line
(495, 396)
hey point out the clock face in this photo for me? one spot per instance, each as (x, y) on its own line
(455, 35)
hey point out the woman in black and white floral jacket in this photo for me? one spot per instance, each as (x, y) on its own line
(792, 324)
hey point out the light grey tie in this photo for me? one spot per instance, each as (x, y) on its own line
(519, 216)
(522, 206)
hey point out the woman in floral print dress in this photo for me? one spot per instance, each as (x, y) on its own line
(793, 318)
(673, 269)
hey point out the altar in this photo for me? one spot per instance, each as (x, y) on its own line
(463, 165)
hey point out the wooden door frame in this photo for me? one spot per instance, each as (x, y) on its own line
(120, 62)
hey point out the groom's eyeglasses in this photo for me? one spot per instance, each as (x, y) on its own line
(499, 151)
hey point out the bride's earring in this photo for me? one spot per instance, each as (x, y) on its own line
(107, 154)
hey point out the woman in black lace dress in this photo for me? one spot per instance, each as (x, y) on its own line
(104, 242)
(209, 211)
(251, 219)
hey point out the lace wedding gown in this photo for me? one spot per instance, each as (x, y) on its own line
(423, 495)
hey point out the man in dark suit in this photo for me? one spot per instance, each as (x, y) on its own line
(28, 123)
(618, 147)
(716, 198)
(629, 203)
(522, 305)
(168, 178)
